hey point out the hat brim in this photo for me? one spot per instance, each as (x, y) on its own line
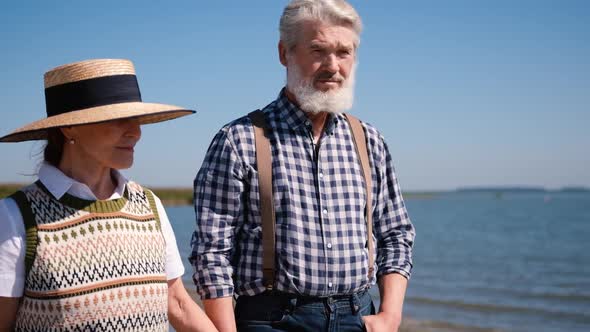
(145, 112)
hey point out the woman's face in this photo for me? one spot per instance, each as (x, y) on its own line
(108, 144)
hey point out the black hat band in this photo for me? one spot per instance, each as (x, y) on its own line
(92, 92)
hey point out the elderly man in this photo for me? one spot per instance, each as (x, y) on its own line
(321, 272)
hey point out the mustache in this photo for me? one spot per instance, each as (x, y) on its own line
(329, 76)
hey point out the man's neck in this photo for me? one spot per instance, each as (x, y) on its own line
(318, 123)
(318, 120)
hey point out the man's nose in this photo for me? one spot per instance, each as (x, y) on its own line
(331, 63)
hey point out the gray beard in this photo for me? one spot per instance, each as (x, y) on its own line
(315, 101)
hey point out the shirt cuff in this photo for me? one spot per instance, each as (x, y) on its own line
(405, 271)
(215, 291)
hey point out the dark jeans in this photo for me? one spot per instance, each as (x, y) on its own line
(275, 311)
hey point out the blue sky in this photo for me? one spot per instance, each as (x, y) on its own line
(466, 93)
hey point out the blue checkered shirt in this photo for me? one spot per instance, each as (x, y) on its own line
(319, 197)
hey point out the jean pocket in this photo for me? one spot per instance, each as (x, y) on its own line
(366, 310)
(362, 322)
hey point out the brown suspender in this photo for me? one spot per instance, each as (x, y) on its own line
(360, 142)
(267, 209)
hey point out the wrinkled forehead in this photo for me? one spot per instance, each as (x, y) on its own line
(326, 34)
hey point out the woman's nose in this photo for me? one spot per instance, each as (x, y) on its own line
(132, 128)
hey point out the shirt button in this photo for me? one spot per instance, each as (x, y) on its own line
(329, 246)
(330, 284)
(321, 175)
(325, 211)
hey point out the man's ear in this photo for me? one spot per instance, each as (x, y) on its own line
(282, 53)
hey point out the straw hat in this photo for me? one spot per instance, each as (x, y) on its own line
(93, 91)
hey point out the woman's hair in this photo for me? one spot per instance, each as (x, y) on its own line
(335, 12)
(55, 146)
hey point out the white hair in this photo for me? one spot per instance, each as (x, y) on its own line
(336, 12)
(313, 100)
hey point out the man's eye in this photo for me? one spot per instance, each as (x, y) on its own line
(344, 53)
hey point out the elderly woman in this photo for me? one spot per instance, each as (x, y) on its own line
(83, 248)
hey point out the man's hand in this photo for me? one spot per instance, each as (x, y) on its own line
(393, 289)
(184, 314)
(221, 313)
(382, 322)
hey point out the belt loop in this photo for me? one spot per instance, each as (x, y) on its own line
(292, 304)
(329, 303)
(355, 303)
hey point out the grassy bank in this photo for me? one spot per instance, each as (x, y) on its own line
(8, 188)
(175, 196)
(184, 196)
(169, 196)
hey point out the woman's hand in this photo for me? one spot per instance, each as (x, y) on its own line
(8, 309)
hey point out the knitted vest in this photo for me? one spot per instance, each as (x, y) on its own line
(92, 265)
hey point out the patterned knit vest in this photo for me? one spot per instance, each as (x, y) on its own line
(92, 265)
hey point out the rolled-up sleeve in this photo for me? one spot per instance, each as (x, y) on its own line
(174, 267)
(218, 192)
(393, 229)
(12, 250)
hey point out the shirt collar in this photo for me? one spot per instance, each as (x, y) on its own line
(58, 184)
(294, 116)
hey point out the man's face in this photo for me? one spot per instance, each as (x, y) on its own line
(320, 68)
(324, 54)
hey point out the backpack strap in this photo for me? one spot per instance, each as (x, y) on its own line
(267, 208)
(31, 239)
(360, 143)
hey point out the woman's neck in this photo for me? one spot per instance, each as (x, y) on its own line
(97, 177)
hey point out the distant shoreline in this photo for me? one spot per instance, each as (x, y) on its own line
(179, 196)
